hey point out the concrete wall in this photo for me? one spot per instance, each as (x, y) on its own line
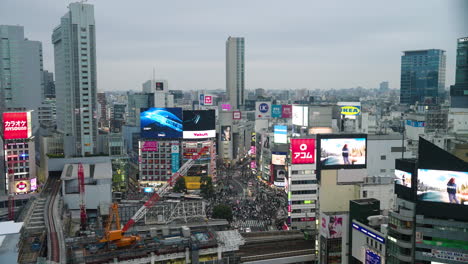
(335, 197)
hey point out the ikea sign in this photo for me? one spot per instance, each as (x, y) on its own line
(350, 110)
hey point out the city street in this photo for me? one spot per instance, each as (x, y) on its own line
(255, 205)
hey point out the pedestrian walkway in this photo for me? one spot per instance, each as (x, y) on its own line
(254, 225)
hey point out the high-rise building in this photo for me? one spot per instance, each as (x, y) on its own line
(384, 86)
(422, 76)
(21, 83)
(49, 85)
(160, 89)
(235, 71)
(459, 91)
(75, 73)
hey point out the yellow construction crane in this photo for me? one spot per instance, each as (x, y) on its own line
(116, 236)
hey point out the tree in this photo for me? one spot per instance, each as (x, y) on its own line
(206, 187)
(179, 185)
(222, 211)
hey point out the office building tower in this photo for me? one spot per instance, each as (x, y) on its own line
(21, 73)
(49, 85)
(117, 119)
(422, 76)
(135, 102)
(235, 71)
(459, 91)
(384, 86)
(75, 79)
(160, 89)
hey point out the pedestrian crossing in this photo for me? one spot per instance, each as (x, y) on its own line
(253, 224)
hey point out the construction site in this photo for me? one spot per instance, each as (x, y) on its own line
(76, 220)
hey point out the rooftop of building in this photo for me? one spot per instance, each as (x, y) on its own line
(96, 171)
(9, 238)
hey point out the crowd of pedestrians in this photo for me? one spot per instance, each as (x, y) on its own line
(250, 199)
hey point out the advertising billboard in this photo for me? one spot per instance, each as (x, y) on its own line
(286, 111)
(331, 226)
(349, 109)
(262, 110)
(199, 124)
(237, 115)
(149, 146)
(443, 186)
(320, 130)
(279, 174)
(175, 157)
(21, 186)
(300, 115)
(208, 100)
(276, 111)
(225, 107)
(226, 133)
(372, 257)
(17, 125)
(278, 158)
(347, 152)
(159, 86)
(303, 151)
(161, 122)
(280, 134)
(33, 184)
(403, 178)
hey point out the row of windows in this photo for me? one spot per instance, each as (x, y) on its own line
(303, 202)
(304, 182)
(150, 172)
(17, 146)
(154, 178)
(301, 172)
(156, 156)
(304, 192)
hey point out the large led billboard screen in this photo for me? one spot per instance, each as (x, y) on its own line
(443, 186)
(403, 178)
(17, 125)
(303, 151)
(199, 124)
(161, 123)
(226, 133)
(345, 151)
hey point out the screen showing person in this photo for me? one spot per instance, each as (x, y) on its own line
(403, 178)
(443, 186)
(345, 152)
(226, 133)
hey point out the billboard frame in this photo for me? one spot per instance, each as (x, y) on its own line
(319, 138)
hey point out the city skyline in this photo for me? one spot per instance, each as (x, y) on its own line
(287, 46)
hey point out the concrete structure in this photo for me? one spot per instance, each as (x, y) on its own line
(98, 185)
(459, 91)
(235, 69)
(9, 239)
(422, 76)
(160, 89)
(76, 81)
(400, 232)
(21, 76)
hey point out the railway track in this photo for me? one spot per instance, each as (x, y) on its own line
(53, 242)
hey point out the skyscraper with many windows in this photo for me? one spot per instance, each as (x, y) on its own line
(75, 79)
(459, 91)
(235, 71)
(21, 76)
(422, 76)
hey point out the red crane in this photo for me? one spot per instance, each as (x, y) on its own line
(81, 188)
(163, 190)
(11, 207)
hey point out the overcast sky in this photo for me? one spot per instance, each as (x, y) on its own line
(289, 44)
